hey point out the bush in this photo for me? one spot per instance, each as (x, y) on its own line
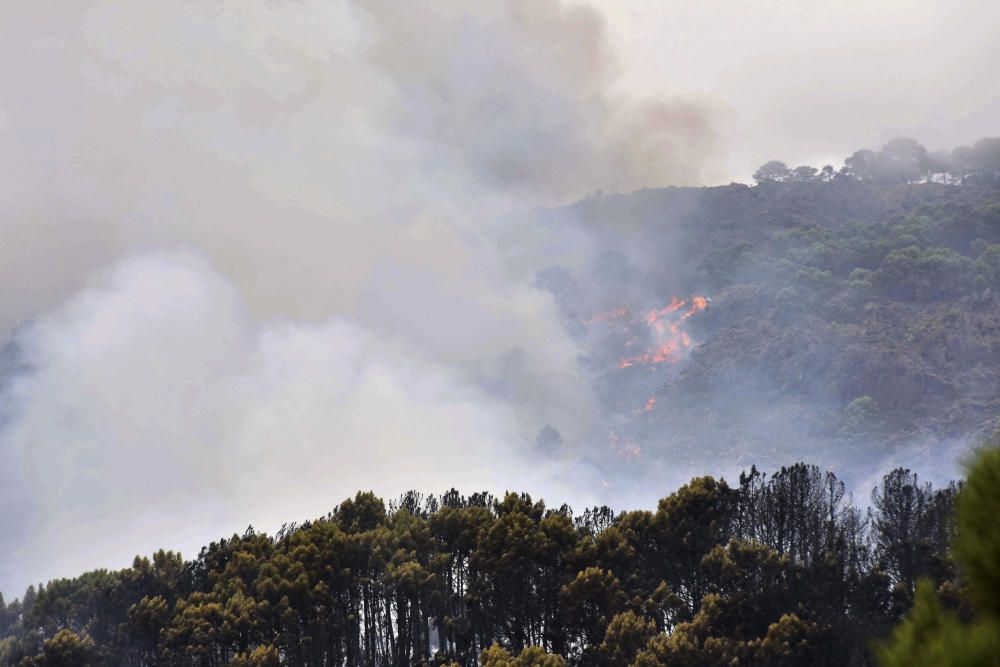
(918, 274)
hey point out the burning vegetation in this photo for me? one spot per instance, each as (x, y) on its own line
(664, 329)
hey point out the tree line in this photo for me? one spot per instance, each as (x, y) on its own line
(774, 569)
(901, 160)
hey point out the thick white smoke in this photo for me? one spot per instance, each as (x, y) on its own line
(247, 257)
(158, 409)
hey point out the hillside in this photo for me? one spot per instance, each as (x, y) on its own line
(846, 318)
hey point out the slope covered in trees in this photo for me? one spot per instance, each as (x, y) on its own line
(775, 569)
(854, 315)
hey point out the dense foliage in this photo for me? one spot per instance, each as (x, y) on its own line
(775, 570)
(881, 289)
(849, 315)
(960, 628)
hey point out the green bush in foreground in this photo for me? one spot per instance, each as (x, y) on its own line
(933, 635)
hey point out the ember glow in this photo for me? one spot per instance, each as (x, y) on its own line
(653, 316)
(610, 316)
(698, 304)
(625, 448)
(669, 339)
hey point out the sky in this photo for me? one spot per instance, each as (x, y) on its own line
(252, 254)
(811, 82)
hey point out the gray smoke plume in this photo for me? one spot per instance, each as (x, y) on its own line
(251, 259)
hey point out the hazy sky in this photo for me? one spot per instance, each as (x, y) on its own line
(808, 82)
(249, 256)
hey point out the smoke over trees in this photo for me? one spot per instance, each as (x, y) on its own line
(258, 254)
(246, 218)
(902, 160)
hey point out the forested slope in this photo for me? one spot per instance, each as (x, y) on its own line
(853, 317)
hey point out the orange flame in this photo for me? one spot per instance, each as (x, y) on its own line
(698, 304)
(667, 351)
(654, 315)
(671, 339)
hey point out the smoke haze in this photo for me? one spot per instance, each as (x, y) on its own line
(248, 253)
(808, 83)
(255, 256)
